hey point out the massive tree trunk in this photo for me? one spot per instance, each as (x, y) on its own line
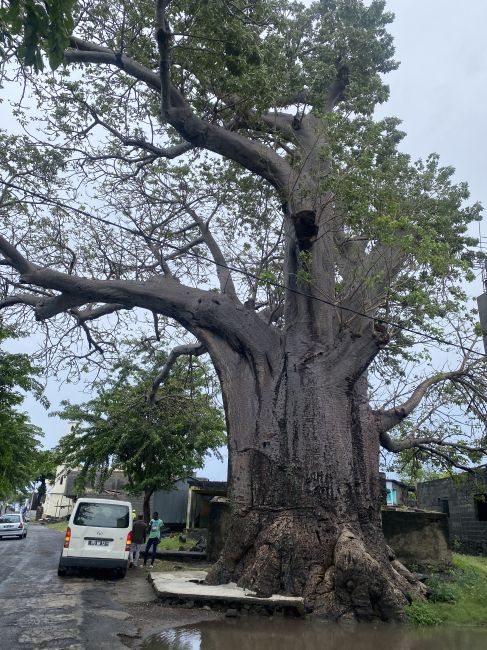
(304, 451)
(305, 488)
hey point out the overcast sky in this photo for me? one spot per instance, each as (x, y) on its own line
(440, 94)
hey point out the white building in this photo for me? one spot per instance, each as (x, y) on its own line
(56, 504)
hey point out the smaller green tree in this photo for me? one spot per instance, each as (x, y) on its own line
(45, 465)
(154, 442)
(19, 438)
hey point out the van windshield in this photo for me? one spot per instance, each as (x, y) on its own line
(104, 515)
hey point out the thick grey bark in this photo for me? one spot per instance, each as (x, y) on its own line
(304, 484)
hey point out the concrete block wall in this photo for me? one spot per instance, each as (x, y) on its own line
(417, 538)
(467, 533)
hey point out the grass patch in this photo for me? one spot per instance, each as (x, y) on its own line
(58, 525)
(458, 597)
(171, 567)
(172, 543)
(423, 614)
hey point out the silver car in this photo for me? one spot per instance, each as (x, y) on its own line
(13, 524)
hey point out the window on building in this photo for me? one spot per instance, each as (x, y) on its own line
(481, 506)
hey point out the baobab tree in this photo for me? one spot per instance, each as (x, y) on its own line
(217, 164)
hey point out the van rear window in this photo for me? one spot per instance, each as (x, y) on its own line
(104, 515)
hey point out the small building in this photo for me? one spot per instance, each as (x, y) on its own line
(463, 498)
(172, 504)
(114, 487)
(57, 503)
(482, 305)
(398, 493)
(201, 492)
(61, 494)
(187, 505)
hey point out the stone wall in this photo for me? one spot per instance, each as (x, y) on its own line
(417, 538)
(456, 497)
(218, 522)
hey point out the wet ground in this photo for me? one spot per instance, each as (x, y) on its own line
(284, 634)
(40, 610)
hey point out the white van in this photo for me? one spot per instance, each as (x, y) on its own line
(99, 535)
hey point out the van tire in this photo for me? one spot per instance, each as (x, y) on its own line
(61, 571)
(122, 573)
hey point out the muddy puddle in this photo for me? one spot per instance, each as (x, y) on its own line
(289, 634)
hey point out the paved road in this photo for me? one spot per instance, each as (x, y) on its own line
(39, 610)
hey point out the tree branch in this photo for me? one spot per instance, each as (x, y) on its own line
(390, 418)
(424, 443)
(14, 258)
(184, 249)
(93, 313)
(224, 276)
(195, 349)
(20, 299)
(196, 310)
(254, 156)
(169, 153)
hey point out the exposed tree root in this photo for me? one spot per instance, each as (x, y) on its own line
(333, 568)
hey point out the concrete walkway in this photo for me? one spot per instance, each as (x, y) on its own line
(189, 586)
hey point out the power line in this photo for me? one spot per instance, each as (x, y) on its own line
(276, 285)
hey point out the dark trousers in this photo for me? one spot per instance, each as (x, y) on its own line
(152, 541)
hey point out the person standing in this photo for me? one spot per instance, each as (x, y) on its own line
(154, 529)
(138, 539)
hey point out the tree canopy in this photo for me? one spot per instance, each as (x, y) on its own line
(114, 193)
(155, 444)
(19, 438)
(30, 29)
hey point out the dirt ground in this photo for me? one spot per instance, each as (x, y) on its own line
(147, 615)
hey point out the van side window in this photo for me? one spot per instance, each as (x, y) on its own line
(102, 515)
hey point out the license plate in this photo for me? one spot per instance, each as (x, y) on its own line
(97, 542)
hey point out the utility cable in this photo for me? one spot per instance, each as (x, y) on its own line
(253, 276)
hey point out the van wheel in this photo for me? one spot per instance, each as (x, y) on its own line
(61, 571)
(122, 573)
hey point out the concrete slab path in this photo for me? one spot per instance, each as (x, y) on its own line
(189, 586)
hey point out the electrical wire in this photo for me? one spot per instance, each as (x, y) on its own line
(278, 285)
(253, 276)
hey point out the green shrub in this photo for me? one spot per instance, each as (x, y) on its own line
(421, 613)
(439, 590)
